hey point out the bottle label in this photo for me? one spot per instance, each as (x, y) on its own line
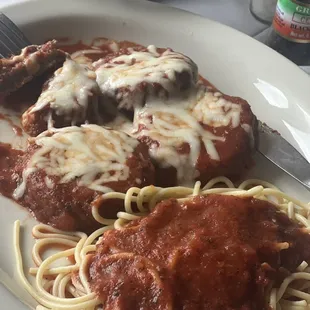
(292, 20)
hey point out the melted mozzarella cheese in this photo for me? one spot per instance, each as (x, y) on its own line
(80, 53)
(68, 93)
(128, 71)
(32, 64)
(171, 127)
(29, 59)
(173, 124)
(49, 182)
(121, 123)
(90, 154)
(112, 45)
(213, 110)
(249, 130)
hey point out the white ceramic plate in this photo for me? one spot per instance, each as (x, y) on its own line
(278, 91)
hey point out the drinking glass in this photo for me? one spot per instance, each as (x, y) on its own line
(263, 10)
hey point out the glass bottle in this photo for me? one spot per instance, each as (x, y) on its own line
(290, 34)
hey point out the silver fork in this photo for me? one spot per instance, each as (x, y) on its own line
(12, 40)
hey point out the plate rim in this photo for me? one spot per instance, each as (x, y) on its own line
(16, 9)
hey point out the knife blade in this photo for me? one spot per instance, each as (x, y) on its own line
(275, 148)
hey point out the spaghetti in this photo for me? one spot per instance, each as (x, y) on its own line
(66, 286)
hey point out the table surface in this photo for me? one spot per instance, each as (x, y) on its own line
(234, 13)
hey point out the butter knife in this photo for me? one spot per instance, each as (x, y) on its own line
(284, 155)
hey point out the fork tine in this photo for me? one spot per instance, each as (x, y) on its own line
(12, 40)
(17, 32)
(10, 44)
(18, 42)
(4, 47)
